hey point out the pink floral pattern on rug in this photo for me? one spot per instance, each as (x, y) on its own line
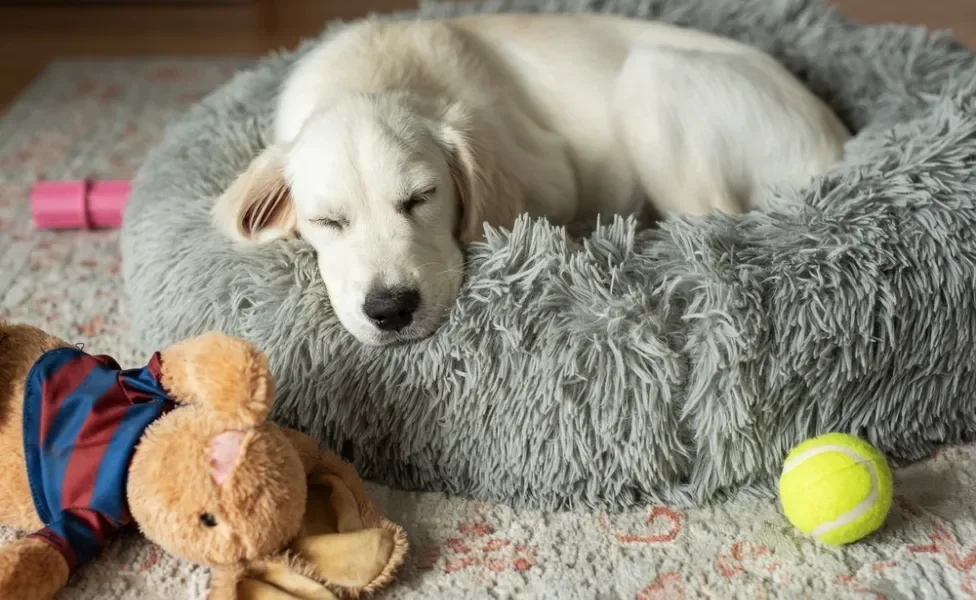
(98, 119)
(477, 548)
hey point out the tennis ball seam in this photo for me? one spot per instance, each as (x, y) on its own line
(862, 507)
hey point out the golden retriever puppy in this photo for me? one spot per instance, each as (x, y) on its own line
(395, 143)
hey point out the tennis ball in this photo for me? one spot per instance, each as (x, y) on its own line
(836, 488)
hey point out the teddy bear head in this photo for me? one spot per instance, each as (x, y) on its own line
(213, 481)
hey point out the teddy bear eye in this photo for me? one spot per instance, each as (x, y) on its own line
(208, 520)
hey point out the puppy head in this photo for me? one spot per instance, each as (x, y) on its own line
(387, 198)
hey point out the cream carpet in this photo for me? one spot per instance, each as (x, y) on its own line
(98, 119)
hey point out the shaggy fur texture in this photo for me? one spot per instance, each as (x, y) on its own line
(673, 365)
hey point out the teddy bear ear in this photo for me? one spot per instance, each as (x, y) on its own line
(225, 448)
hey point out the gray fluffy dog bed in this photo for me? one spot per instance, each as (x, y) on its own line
(672, 365)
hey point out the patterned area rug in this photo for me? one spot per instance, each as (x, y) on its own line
(97, 119)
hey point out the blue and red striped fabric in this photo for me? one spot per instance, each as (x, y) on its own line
(83, 416)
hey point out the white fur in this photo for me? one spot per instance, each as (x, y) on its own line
(562, 116)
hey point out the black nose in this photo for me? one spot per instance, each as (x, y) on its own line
(391, 309)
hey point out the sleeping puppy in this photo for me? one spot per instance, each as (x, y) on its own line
(395, 143)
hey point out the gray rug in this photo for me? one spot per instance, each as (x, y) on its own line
(673, 365)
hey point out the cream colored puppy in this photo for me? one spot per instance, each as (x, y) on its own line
(395, 143)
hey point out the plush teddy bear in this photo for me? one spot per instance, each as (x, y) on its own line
(182, 448)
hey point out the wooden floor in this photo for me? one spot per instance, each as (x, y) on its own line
(33, 35)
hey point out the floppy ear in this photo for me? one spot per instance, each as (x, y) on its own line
(486, 192)
(257, 206)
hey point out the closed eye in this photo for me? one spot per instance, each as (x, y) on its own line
(337, 224)
(407, 206)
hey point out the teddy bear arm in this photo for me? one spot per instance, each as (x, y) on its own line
(348, 498)
(31, 569)
(307, 448)
(228, 375)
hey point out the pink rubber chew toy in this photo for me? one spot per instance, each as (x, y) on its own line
(78, 204)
